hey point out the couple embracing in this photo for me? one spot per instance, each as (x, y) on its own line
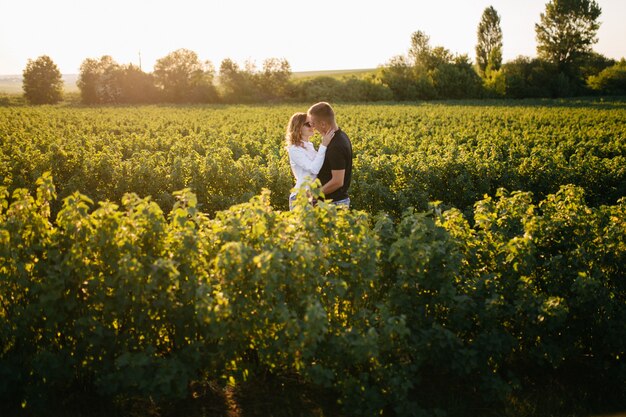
(331, 163)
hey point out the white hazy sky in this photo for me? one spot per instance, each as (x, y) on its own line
(358, 33)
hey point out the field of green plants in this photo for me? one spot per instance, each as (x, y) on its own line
(147, 257)
(405, 155)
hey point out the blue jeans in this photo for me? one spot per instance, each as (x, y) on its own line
(342, 203)
(292, 198)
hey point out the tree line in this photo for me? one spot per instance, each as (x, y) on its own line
(565, 66)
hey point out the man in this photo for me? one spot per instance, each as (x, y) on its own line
(336, 172)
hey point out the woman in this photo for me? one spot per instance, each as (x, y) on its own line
(305, 161)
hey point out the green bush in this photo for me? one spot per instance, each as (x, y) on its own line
(456, 79)
(434, 314)
(611, 80)
(345, 89)
(526, 77)
(495, 83)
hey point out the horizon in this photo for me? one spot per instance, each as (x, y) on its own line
(222, 31)
(20, 75)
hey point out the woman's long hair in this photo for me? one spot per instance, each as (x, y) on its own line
(294, 129)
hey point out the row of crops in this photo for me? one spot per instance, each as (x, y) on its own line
(140, 255)
(404, 155)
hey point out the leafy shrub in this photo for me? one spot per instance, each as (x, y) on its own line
(526, 77)
(611, 80)
(407, 318)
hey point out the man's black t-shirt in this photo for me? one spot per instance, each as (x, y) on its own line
(338, 156)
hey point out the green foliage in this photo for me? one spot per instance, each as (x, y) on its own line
(456, 79)
(136, 86)
(182, 78)
(495, 83)
(425, 73)
(611, 80)
(489, 46)
(97, 80)
(105, 81)
(532, 77)
(429, 72)
(345, 89)
(321, 88)
(567, 29)
(403, 81)
(249, 85)
(405, 318)
(405, 155)
(593, 63)
(42, 83)
(274, 79)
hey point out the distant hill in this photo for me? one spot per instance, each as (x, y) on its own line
(12, 84)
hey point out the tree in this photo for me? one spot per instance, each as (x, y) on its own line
(88, 80)
(99, 81)
(567, 30)
(236, 84)
(419, 51)
(431, 72)
(248, 85)
(423, 56)
(136, 86)
(426, 58)
(489, 46)
(274, 79)
(399, 76)
(183, 78)
(42, 82)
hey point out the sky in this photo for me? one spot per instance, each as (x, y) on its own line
(315, 35)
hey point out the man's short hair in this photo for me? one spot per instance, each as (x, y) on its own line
(323, 111)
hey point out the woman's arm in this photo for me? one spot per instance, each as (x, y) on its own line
(298, 157)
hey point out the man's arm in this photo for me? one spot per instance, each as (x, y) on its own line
(335, 182)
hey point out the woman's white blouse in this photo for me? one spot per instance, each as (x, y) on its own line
(305, 161)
